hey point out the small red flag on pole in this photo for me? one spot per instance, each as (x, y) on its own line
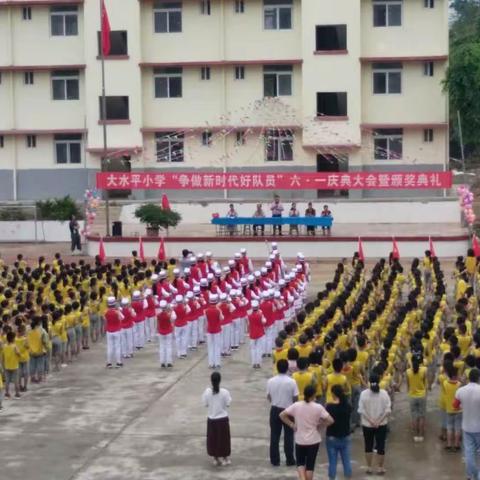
(105, 34)
(101, 251)
(431, 247)
(476, 246)
(161, 251)
(165, 202)
(141, 253)
(361, 255)
(395, 251)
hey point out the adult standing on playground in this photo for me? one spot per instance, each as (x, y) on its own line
(468, 397)
(75, 234)
(310, 212)
(277, 209)
(326, 212)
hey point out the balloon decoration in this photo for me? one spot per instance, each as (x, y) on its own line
(466, 202)
(92, 202)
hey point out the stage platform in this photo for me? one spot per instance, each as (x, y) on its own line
(450, 240)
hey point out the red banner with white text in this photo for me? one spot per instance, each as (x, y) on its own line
(273, 181)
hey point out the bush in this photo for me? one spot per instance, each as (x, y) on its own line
(155, 216)
(16, 214)
(60, 209)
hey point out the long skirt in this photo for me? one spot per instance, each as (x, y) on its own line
(218, 437)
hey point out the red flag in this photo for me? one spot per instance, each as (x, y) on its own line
(101, 251)
(165, 202)
(395, 251)
(105, 35)
(361, 256)
(161, 255)
(141, 253)
(431, 247)
(475, 246)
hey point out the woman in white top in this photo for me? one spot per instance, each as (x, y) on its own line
(217, 400)
(374, 408)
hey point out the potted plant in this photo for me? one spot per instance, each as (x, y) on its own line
(156, 217)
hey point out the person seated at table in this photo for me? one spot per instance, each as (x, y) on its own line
(259, 213)
(326, 213)
(310, 212)
(231, 214)
(277, 209)
(292, 214)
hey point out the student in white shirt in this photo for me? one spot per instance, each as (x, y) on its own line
(217, 400)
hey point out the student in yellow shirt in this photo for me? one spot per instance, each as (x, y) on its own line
(303, 377)
(11, 362)
(279, 353)
(57, 331)
(471, 264)
(315, 367)
(464, 340)
(454, 415)
(462, 285)
(37, 342)
(336, 378)
(417, 393)
(304, 349)
(85, 323)
(22, 345)
(357, 380)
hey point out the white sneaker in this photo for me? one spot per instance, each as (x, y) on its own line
(216, 463)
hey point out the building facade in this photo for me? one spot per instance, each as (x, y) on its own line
(227, 85)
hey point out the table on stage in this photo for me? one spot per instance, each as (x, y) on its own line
(226, 225)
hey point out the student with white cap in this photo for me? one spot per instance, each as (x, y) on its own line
(151, 305)
(182, 312)
(256, 324)
(165, 320)
(113, 327)
(227, 308)
(246, 262)
(205, 295)
(128, 324)
(138, 305)
(195, 308)
(214, 320)
(268, 309)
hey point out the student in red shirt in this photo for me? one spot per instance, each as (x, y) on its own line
(138, 305)
(165, 320)
(193, 316)
(202, 295)
(113, 327)
(256, 324)
(228, 309)
(214, 320)
(150, 315)
(127, 329)
(268, 309)
(182, 311)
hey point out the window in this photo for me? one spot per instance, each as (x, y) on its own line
(388, 144)
(278, 145)
(31, 141)
(239, 73)
(240, 138)
(277, 14)
(428, 69)
(429, 3)
(2, 141)
(116, 108)
(169, 147)
(118, 42)
(205, 7)
(65, 85)
(387, 78)
(331, 37)
(277, 80)
(206, 138)
(428, 135)
(387, 13)
(205, 73)
(64, 21)
(167, 17)
(332, 104)
(68, 148)
(239, 6)
(0, 78)
(27, 13)
(168, 82)
(28, 78)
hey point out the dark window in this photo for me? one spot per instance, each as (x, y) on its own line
(167, 17)
(388, 144)
(239, 73)
(331, 37)
(31, 141)
(64, 21)
(68, 148)
(278, 145)
(429, 3)
(65, 85)
(118, 42)
(205, 73)
(332, 104)
(2, 141)
(168, 82)
(206, 138)
(277, 80)
(240, 137)
(277, 14)
(27, 13)
(116, 108)
(205, 7)
(169, 147)
(387, 13)
(239, 6)
(0, 78)
(28, 78)
(428, 69)
(428, 135)
(387, 78)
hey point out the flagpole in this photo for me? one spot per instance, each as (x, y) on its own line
(104, 124)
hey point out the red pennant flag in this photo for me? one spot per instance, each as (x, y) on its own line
(101, 251)
(395, 251)
(105, 34)
(361, 256)
(476, 246)
(431, 247)
(165, 202)
(141, 253)
(161, 251)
